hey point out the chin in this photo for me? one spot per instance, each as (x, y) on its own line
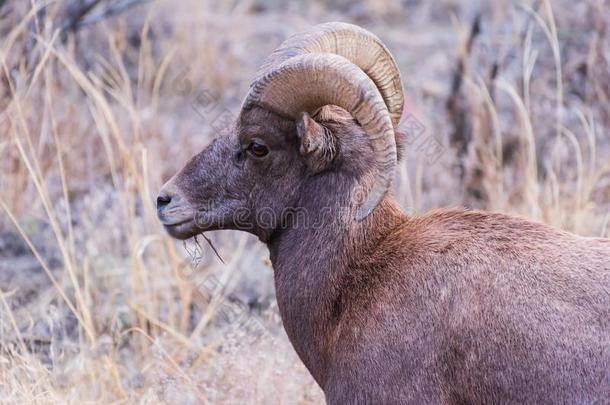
(188, 229)
(183, 230)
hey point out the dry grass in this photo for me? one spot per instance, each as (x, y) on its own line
(98, 305)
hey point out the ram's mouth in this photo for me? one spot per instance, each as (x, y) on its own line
(182, 230)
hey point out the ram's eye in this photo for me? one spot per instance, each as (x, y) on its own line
(258, 149)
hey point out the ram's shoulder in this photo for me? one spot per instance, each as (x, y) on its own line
(459, 223)
(456, 234)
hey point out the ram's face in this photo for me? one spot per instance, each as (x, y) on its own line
(244, 180)
(250, 179)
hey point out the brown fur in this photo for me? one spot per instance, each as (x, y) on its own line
(450, 307)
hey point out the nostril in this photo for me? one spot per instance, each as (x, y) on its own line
(163, 199)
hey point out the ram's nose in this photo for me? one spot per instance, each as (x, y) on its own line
(170, 205)
(163, 200)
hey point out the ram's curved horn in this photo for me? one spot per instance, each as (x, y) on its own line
(307, 82)
(356, 44)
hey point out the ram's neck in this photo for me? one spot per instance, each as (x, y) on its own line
(310, 258)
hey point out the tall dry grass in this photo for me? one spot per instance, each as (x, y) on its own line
(99, 305)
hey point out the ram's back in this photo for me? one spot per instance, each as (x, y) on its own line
(531, 313)
(484, 308)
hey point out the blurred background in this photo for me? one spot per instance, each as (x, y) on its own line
(101, 101)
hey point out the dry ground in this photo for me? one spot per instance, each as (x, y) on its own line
(508, 109)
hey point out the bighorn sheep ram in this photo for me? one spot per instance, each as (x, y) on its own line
(452, 306)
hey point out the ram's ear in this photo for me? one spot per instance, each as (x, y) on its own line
(318, 143)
